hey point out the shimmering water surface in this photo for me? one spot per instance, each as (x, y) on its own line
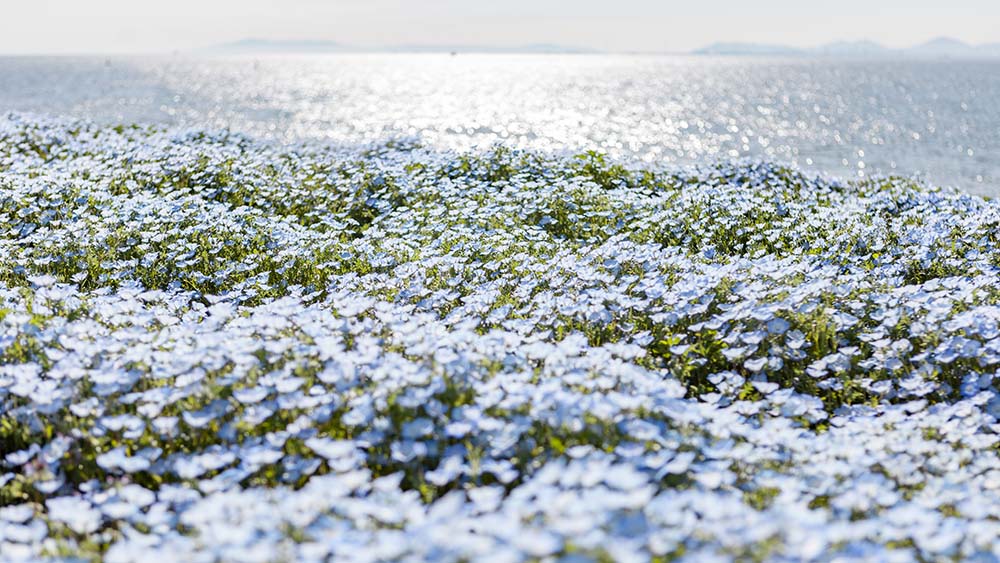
(936, 119)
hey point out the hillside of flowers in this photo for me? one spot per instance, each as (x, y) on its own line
(219, 349)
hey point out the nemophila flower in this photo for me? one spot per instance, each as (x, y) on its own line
(117, 459)
(78, 514)
(214, 347)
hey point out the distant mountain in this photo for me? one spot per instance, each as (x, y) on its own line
(266, 46)
(941, 47)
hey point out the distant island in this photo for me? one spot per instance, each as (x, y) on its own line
(269, 46)
(942, 47)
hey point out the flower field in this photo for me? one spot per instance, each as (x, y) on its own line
(215, 348)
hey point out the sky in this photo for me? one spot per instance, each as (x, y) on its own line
(161, 26)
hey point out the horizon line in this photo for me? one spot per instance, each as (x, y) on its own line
(244, 46)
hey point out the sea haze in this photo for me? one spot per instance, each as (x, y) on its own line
(848, 118)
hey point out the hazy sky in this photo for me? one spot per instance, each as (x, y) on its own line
(144, 26)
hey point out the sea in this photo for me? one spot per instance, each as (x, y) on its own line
(937, 120)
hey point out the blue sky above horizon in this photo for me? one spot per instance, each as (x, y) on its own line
(130, 26)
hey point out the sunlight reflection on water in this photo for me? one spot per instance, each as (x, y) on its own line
(939, 119)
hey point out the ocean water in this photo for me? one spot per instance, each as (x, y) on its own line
(939, 120)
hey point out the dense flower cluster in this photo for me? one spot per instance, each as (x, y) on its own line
(213, 348)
